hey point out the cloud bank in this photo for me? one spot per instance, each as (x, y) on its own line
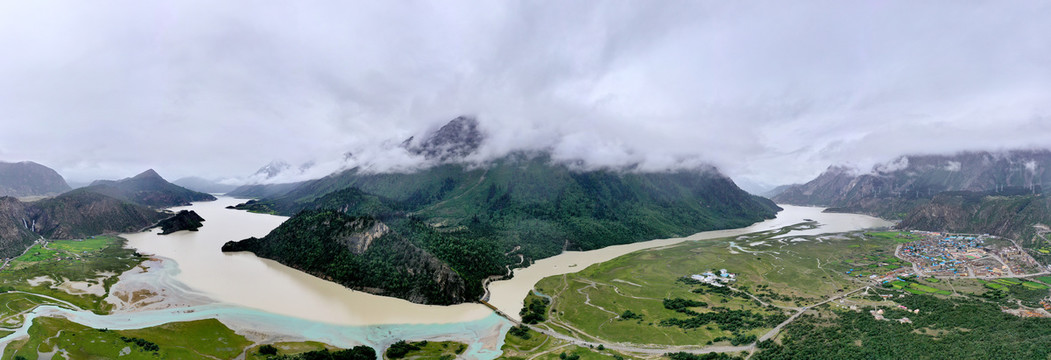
(770, 92)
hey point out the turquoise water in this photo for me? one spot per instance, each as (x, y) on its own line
(493, 328)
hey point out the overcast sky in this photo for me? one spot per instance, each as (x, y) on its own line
(770, 92)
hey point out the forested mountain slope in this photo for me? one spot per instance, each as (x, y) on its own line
(482, 219)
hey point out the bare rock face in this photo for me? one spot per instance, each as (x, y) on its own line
(455, 140)
(30, 179)
(360, 240)
(15, 230)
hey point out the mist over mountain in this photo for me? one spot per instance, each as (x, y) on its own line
(655, 85)
(204, 185)
(28, 178)
(917, 177)
(460, 220)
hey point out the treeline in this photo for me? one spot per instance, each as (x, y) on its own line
(142, 343)
(729, 320)
(535, 310)
(356, 353)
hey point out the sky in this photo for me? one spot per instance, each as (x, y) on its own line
(770, 92)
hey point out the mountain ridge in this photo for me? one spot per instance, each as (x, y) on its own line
(27, 178)
(480, 219)
(147, 188)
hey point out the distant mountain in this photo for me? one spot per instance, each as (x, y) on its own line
(777, 190)
(481, 220)
(147, 188)
(273, 169)
(262, 190)
(75, 214)
(204, 185)
(983, 192)
(30, 179)
(892, 189)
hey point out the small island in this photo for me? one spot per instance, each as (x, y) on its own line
(183, 220)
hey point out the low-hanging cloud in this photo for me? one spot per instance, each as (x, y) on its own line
(770, 92)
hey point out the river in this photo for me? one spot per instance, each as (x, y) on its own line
(249, 293)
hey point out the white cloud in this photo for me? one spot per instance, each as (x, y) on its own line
(770, 92)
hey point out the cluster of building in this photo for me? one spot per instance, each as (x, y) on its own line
(724, 277)
(942, 254)
(939, 254)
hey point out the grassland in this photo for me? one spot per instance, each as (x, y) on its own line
(183, 340)
(96, 260)
(539, 346)
(784, 273)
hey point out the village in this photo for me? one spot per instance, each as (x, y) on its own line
(939, 254)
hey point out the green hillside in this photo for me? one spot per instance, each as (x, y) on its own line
(478, 220)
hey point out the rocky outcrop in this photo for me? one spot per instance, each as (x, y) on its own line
(183, 220)
(359, 241)
(30, 179)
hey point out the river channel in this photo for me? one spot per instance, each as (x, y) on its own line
(256, 295)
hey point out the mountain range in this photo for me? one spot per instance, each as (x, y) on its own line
(480, 220)
(986, 192)
(103, 207)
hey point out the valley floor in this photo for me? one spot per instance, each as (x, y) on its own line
(648, 303)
